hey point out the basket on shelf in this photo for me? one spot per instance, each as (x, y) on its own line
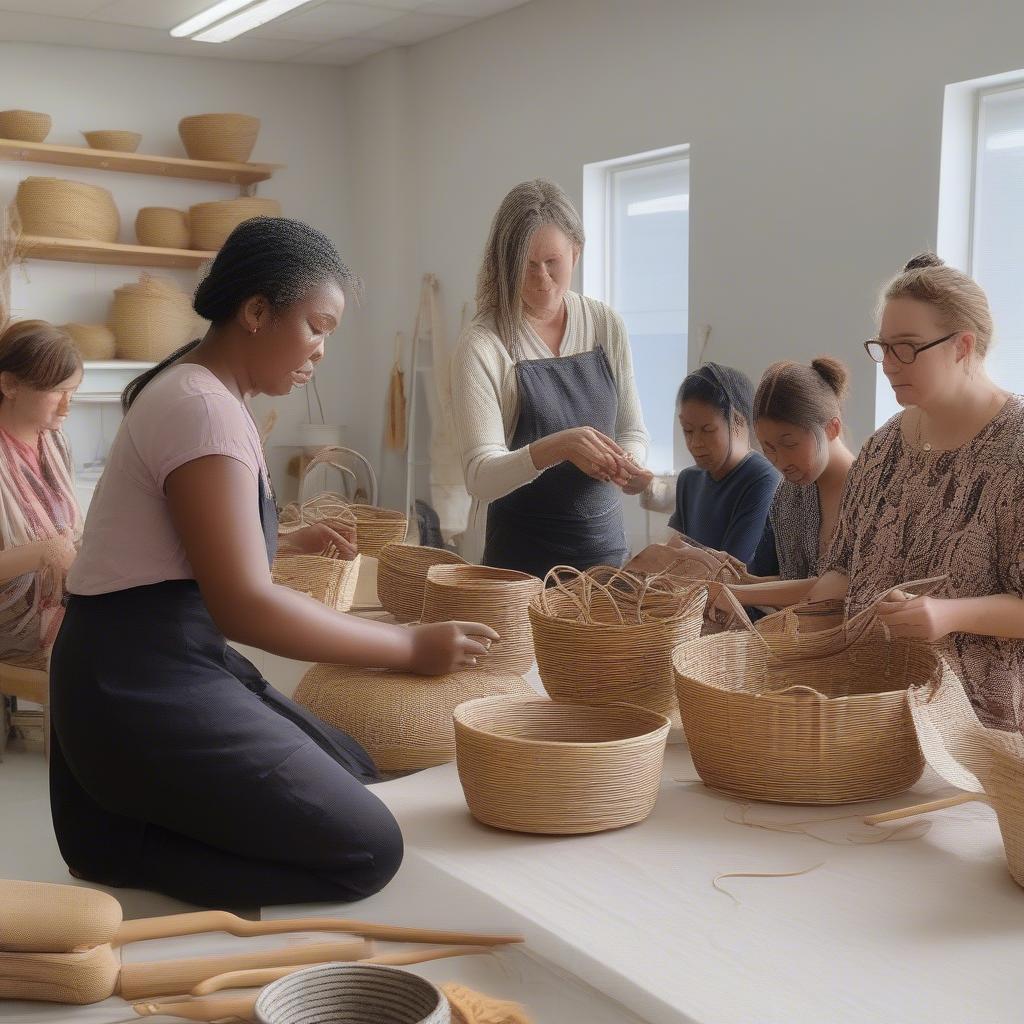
(115, 140)
(211, 223)
(24, 125)
(499, 598)
(162, 227)
(58, 208)
(151, 318)
(219, 137)
(402, 577)
(93, 341)
(531, 765)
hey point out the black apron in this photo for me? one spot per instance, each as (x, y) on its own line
(564, 517)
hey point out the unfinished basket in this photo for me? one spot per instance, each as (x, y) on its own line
(93, 341)
(376, 527)
(220, 137)
(24, 125)
(819, 718)
(162, 227)
(403, 720)
(211, 223)
(498, 598)
(58, 208)
(402, 577)
(114, 140)
(802, 619)
(151, 319)
(606, 636)
(530, 765)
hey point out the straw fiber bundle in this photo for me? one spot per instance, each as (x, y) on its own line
(58, 208)
(812, 718)
(530, 765)
(93, 341)
(606, 636)
(211, 223)
(151, 318)
(402, 577)
(403, 720)
(116, 141)
(162, 227)
(24, 125)
(499, 598)
(219, 137)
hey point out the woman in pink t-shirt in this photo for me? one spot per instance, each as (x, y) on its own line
(175, 766)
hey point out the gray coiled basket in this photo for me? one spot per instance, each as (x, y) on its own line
(352, 993)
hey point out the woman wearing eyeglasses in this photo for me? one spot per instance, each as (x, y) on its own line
(937, 492)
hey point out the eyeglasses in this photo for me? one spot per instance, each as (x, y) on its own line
(906, 352)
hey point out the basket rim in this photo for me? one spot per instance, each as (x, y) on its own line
(664, 724)
(506, 577)
(604, 627)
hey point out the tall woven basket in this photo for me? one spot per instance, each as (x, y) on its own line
(816, 718)
(403, 720)
(530, 765)
(402, 577)
(608, 636)
(58, 208)
(151, 318)
(499, 598)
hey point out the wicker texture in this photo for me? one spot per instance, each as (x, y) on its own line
(152, 318)
(44, 917)
(162, 227)
(376, 527)
(93, 341)
(402, 577)
(352, 994)
(331, 581)
(403, 720)
(58, 208)
(115, 140)
(530, 765)
(210, 223)
(498, 598)
(607, 636)
(802, 619)
(227, 137)
(24, 125)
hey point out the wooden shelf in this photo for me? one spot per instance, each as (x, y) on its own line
(73, 250)
(136, 163)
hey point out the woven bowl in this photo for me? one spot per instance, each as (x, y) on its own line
(530, 765)
(498, 598)
(115, 141)
(211, 223)
(162, 227)
(403, 720)
(220, 137)
(402, 577)
(58, 208)
(376, 527)
(24, 125)
(343, 993)
(93, 341)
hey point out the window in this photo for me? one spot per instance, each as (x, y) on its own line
(637, 260)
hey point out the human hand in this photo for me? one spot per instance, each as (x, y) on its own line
(639, 481)
(917, 618)
(440, 647)
(594, 454)
(324, 537)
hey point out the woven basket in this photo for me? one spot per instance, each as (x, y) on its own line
(24, 125)
(162, 227)
(151, 319)
(115, 141)
(498, 598)
(57, 208)
(608, 636)
(221, 137)
(403, 720)
(210, 224)
(819, 718)
(376, 527)
(402, 577)
(93, 341)
(530, 765)
(802, 619)
(331, 581)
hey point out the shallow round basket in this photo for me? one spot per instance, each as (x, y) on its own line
(162, 227)
(93, 341)
(210, 223)
(498, 598)
(376, 527)
(403, 720)
(58, 208)
(331, 581)
(113, 140)
(352, 993)
(402, 577)
(220, 137)
(530, 765)
(24, 125)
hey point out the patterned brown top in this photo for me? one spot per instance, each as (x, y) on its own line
(909, 514)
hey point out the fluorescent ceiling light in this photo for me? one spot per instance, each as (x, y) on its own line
(247, 20)
(663, 204)
(199, 21)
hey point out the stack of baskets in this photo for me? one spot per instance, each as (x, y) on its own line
(402, 577)
(152, 318)
(58, 208)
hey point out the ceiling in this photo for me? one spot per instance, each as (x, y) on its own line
(319, 32)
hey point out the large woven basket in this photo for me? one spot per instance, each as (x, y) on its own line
(115, 140)
(608, 636)
(162, 227)
(58, 208)
(151, 319)
(24, 125)
(402, 577)
(211, 223)
(403, 720)
(819, 718)
(220, 137)
(93, 341)
(499, 598)
(530, 765)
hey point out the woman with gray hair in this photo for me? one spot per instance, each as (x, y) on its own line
(544, 400)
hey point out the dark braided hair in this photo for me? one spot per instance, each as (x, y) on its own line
(275, 257)
(723, 388)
